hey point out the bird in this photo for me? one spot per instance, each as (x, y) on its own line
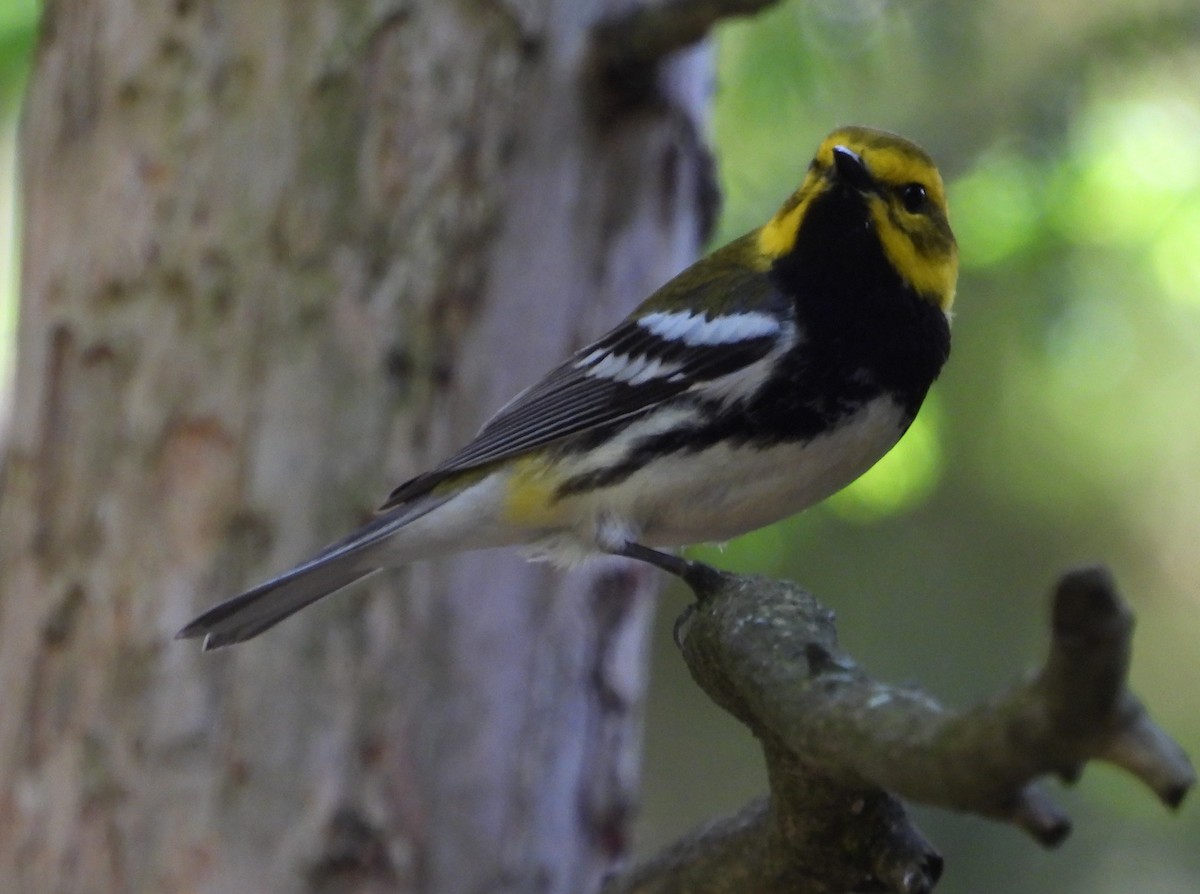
(757, 382)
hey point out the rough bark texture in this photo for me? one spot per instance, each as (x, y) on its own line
(278, 256)
(841, 746)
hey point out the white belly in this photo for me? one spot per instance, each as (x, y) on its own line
(723, 492)
(681, 498)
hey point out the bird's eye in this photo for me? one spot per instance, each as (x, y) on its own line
(914, 197)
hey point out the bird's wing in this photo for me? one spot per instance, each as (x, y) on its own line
(652, 356)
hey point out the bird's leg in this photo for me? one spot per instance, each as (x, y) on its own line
(696, 575)
(667, 562)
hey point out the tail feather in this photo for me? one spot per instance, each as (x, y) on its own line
(338, 565)
(246, 616)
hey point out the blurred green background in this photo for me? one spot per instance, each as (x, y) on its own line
(18, 19)
(1065, 429)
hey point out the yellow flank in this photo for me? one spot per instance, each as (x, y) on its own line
(529, 498)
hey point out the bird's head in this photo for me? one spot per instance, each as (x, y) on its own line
(902, 197)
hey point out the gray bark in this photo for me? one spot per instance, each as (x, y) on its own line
(841, 748)
(279, 256)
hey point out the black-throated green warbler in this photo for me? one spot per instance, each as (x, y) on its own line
(759, 381)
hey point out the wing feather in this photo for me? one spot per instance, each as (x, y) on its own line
(581, 395)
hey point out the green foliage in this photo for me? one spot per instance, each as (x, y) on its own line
(18, 25)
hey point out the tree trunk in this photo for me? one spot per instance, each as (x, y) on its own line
(279, 256)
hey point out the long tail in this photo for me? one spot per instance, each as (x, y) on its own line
(338, 565)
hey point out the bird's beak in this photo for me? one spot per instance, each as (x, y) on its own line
(852, 170)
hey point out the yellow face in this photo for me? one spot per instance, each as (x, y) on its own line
(905, 198)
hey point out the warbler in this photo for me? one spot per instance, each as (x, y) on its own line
(757, 382)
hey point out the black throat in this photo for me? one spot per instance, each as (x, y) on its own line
(865, 331)
(864, 334)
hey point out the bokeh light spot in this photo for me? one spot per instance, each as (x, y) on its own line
(995, 209)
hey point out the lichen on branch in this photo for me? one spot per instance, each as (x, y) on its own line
(842, 749)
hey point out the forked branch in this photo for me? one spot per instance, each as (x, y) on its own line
(842, 748)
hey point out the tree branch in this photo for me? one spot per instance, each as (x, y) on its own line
(627, 48)
(841, 747)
